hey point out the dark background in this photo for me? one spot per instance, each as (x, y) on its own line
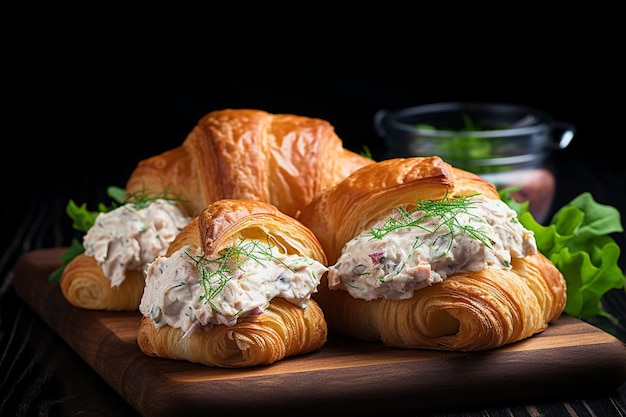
(93, 107)
(86, 107)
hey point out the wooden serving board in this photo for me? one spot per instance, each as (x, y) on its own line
(344, 377)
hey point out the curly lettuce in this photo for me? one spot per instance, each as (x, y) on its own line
(82, 220)
(577, 240)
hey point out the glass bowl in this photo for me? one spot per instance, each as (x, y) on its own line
(507, 144)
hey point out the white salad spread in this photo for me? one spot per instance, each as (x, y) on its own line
(132, 235)
(410, 250)
(192, 292)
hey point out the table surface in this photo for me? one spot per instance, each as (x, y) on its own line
(41, 375)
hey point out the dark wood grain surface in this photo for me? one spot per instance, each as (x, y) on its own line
(344, 376)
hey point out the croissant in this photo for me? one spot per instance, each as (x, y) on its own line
(84, 285)
(249, 154)
(282, 159)
(234, 289)
(423, 255)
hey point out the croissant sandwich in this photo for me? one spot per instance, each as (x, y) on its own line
(425, 255)
(281, 159)
(234, 289)
(109, 274)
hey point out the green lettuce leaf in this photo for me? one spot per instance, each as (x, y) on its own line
(82, 220)
(577, 240)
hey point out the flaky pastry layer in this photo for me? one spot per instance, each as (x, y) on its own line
(284, 329)
(467, 311)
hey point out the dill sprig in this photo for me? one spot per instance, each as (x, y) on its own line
(446, 210)
(143, 198)
(216, 273)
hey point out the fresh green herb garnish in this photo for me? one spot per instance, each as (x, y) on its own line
(577, 241)
(447, 210)
(83, 219)
(143, 198)
(215, 273)
(366, 152)
(75, 249)
(117, 194)
(506, 194)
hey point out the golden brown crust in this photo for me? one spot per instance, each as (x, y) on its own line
(467, 183)
(282, 159)
(467, 311)
(339, 213)
(546, 282)
(284, 329)
(84, 285)
(246, 154)
(224, 222)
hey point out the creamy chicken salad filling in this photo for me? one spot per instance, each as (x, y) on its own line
(410, 250)
(132, 235)
(192, 292)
